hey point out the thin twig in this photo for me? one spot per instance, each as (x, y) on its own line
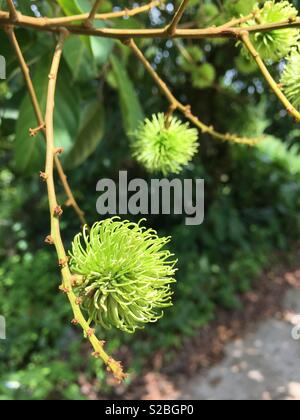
(89, 21)
(55, 213)
(46, 24)
(12, 10)
(106, 16)
(171, 29)
(268, 77)
(41, 124)
(238, 21)
(185, 109)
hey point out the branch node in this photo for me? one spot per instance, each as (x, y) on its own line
(73, 281)
(187, 110)
(33, 132)
(49, 240)
(58, 150)
(90, 332)
(78, 301)
(170, 30)
(64, 289)
(89, 21)
(63, 262)
(244, 33)
(58, 211)
(127, 42)
(74, 321)
(43, 176)
(76, 280)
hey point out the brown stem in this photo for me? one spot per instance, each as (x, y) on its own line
(55, 214)
(185, 109)
(12, 10)
(268, 77)
(104, 16)
(238, 21)
(46, 24)
(37, 110)
(171, 29)
(89, 22)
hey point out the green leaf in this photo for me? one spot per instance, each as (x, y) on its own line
(131, 108)
(80, 59)
(76, 6)
(90, 134)
(85, 55)
(29, 154)
(85, 5)
(69, 7)
(101, 49)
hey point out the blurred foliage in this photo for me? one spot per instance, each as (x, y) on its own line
(252, 195)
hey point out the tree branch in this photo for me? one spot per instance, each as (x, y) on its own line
(41, 124)
(268, 77)
(89, 21)
(12, 10)
(106, 16)
(171, 29)
(185, 109)
(238, 21)
(55, 213)
(46, 24)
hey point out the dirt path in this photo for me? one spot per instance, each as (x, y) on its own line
(263, 365)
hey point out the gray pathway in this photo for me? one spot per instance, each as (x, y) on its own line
(264, 365)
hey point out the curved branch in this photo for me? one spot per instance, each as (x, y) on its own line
(268, 77)
(46, 24)
(238, 21)
(185, 109)
(55, 214)
(106, 16)
(171, 28)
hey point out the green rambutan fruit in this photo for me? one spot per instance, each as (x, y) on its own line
(290, 78)
(276, 44)
(125, 272)
(165, 147)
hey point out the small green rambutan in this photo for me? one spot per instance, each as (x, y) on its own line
(276, 44)
(290, 78)
(126, 274)
(162, 147)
